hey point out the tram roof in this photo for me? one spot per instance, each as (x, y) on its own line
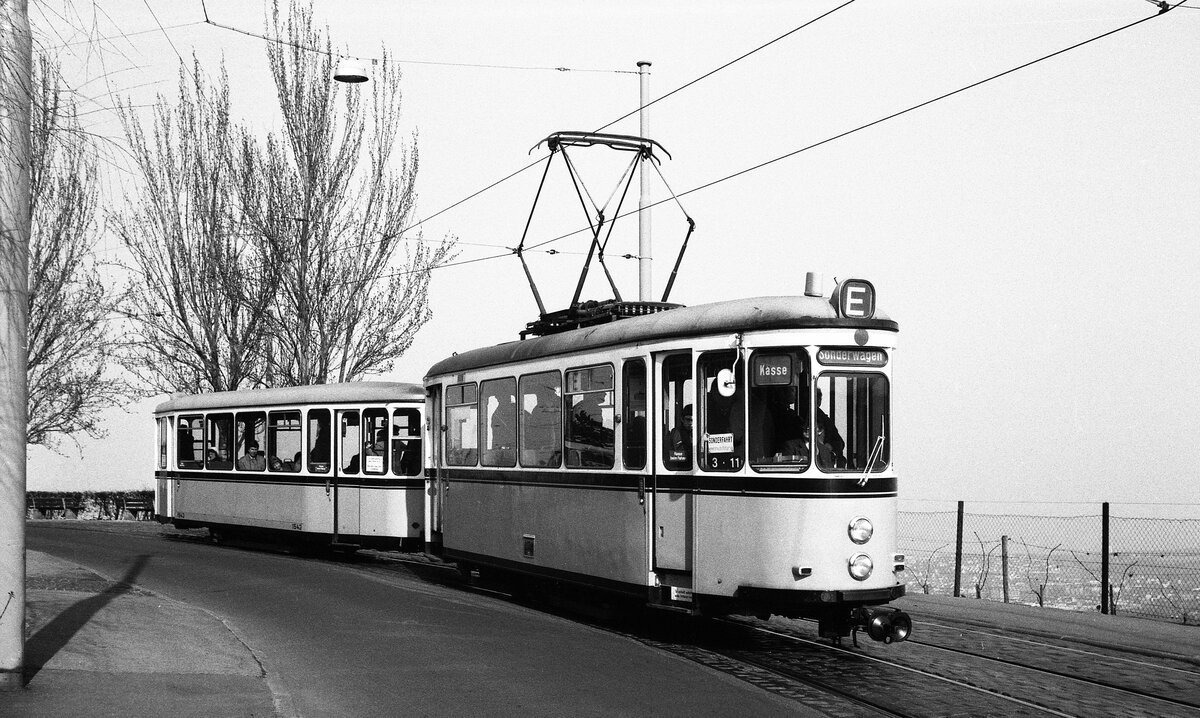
(347, 393)
(740, 315)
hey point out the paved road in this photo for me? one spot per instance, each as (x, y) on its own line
(346, 640)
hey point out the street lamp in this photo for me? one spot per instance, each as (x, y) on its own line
(351, 70)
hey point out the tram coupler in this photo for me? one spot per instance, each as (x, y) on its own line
(887, 625)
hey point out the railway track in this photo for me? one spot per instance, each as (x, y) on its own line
(945, 670)
(942, 675)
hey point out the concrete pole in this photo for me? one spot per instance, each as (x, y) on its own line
(645, 268)
(16, 66)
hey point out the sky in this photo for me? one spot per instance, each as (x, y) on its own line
(1035, 236)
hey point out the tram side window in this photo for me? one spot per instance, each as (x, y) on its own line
(406, 442)
(677, 412)
(462, 425)
(633, 415)
(318, 441)
(590, 420)
(349, 442)
(779, 432)
(218, 453)
(498, 422)
(853, 418)
(723, 414)
(252, 437)
(162, 442)
(541, 420)
(189, 448)
(375, 441)
(284, 446)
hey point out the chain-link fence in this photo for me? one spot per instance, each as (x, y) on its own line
(1151, 567)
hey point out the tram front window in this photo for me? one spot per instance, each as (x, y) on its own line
(852, 421)
(779, 431)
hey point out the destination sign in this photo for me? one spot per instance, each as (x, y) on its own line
(772, 370)
(851, 356)
(857, 299)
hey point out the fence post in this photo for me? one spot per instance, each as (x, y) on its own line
(1004, 564)
(958, 554)
(1104, 587)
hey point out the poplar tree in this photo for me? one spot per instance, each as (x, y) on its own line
(335, 189)
(201, 283)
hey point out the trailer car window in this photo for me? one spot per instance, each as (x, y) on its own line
(189, 449)
(375, 441)
(162, 442)
(252, 438)
(349, 442)
(219, 442)
(318, 441)
(283, 441)
(406, 442)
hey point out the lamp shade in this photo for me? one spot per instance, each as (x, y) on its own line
(351, 70)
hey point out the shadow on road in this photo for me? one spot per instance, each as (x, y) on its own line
(50, 639)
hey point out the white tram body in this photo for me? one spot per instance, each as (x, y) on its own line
(569, 458)
(340, 461)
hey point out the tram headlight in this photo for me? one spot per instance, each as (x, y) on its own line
(860, 566)
(860, 530)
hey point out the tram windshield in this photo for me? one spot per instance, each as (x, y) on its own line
(839, 421)
(779, 431)
(852, 418)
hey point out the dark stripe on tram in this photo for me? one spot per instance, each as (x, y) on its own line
(732, 485)
(282, 479)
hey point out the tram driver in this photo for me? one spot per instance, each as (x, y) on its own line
(830, 445)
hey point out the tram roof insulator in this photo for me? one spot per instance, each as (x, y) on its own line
(626, 143)
(592, 313)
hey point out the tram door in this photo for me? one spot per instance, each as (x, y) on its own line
(435, 492)
(673, 461)
(347, 472)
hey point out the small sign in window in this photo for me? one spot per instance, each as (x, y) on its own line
(772, 370)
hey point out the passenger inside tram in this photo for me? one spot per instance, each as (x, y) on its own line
(830, 445)
(681, 438)
(252, 460)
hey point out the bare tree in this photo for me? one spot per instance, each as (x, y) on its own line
(925, 577)
(985, 565)
(202, 284)
(1038, 588)
(71, 340)
(1114, 592)
(335, 191)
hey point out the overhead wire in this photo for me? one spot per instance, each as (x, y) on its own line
(280, 41)
(693, 82)
(873, 123)
(814, 145)
(641, 107)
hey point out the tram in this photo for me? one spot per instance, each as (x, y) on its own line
(732, 457)
(337, 463)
